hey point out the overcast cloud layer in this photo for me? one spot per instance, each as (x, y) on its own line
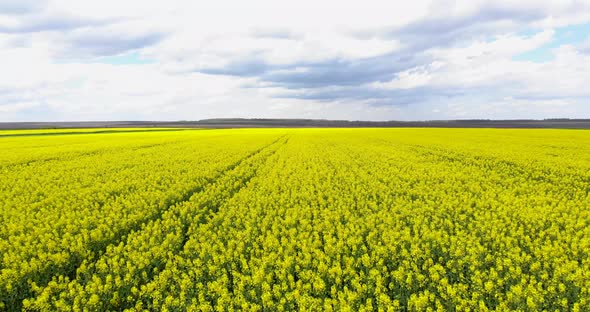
(365, 60)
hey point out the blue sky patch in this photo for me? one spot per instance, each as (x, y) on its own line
(573, 34)
(132, 58)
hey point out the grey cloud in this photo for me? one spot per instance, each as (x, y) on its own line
(334, 72)
(99, 43)
(487, 93)
(440, 32)
(547, 96)
(429, 94)
(417, 38)
(243, 68)
(32, 24)
(584, 47)
(438, 26)
(376, 97)
(343, 72)
(334, 79)
(346, 79)
(81, 36)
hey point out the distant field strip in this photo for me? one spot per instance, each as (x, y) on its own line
(295, 219)
(12, 133)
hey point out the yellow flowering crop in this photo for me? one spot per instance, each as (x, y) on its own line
(295, 219)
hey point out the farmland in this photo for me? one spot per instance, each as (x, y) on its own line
(399, 219)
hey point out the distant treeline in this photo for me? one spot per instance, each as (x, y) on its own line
(309, 123)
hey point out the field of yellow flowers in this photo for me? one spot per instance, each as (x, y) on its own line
(295, 219)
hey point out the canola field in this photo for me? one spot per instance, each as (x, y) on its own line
(295, 220)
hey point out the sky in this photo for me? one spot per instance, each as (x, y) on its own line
(73, 60)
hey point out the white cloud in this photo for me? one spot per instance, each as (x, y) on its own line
(489, 67)
(408, 79)
(585, 46)
(330, 59)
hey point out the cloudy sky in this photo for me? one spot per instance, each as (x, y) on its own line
(358, 60)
